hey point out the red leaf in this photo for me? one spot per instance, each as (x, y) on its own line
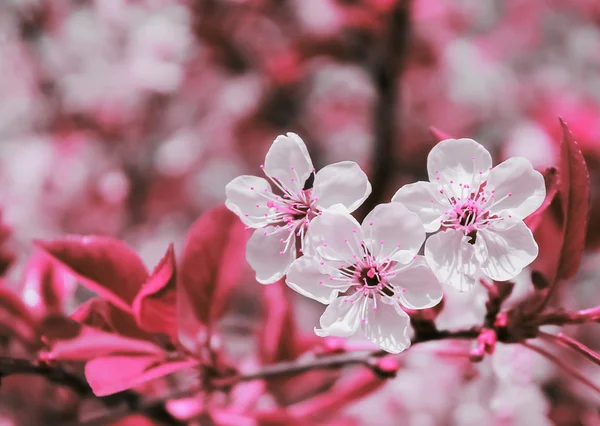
(279, 335)
(134, 420)
(15, 318)
(561, 235)
(14, 307)
(111, 374)
(46, 289)
(155, 307)
(575, 193)
(103, 264)
(102, 315)
(210, 268)
(58, 327)
(91, 343)
(551, 180)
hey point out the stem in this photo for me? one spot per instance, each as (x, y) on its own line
(566, 367)
(387, 64)
(575, 345)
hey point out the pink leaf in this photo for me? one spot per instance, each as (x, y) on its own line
(155, 307)
(438, 135)
(91, 343)
(46, 289)
(344, 393)
(210, 268)
(103, 264)
(103, 315)
(112, 374)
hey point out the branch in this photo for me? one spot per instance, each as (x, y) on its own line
(11, 366)
(365, 358)
(387, 65)
(129, 399)
(155, 408)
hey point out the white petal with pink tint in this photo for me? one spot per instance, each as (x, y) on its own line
(416, 285)
(245, 198)
(264, 254)
(452, 259)
(335, 234)
(458, 160)
(289, 162)
(386, 325)
(518, 188)
(341, 318)
(391, 228)
(341, 183)
(425, 199)
(509, 247)
(308, 278)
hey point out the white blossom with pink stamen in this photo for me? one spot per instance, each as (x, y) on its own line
(480, 210)
(366, 272)
(284, 217)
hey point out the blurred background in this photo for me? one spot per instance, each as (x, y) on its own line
(129, 117)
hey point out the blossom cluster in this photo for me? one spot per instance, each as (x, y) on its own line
(368, 272)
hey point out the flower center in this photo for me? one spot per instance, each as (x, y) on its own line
(370, 277)
(470, 212)
(470, 204)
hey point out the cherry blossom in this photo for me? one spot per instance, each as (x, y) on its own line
(304, 194)
(480, 211)
(365, 272)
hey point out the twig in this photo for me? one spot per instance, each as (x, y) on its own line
(387, 64)
(569, 318)
(575, 345)
(566, 367)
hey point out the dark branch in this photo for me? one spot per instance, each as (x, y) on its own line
(386, 67)
(129, 400)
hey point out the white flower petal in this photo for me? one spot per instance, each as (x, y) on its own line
(341, 318)
(386, 326)
(344, 183)
(289, 162)
(263, 253)
(510, 247)
(460, 161)
(335, 235)
(391, 228)
(309, 278)
(425, 199)
(452, 259)
(417, 286)
(517, 177)
(244, 195)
